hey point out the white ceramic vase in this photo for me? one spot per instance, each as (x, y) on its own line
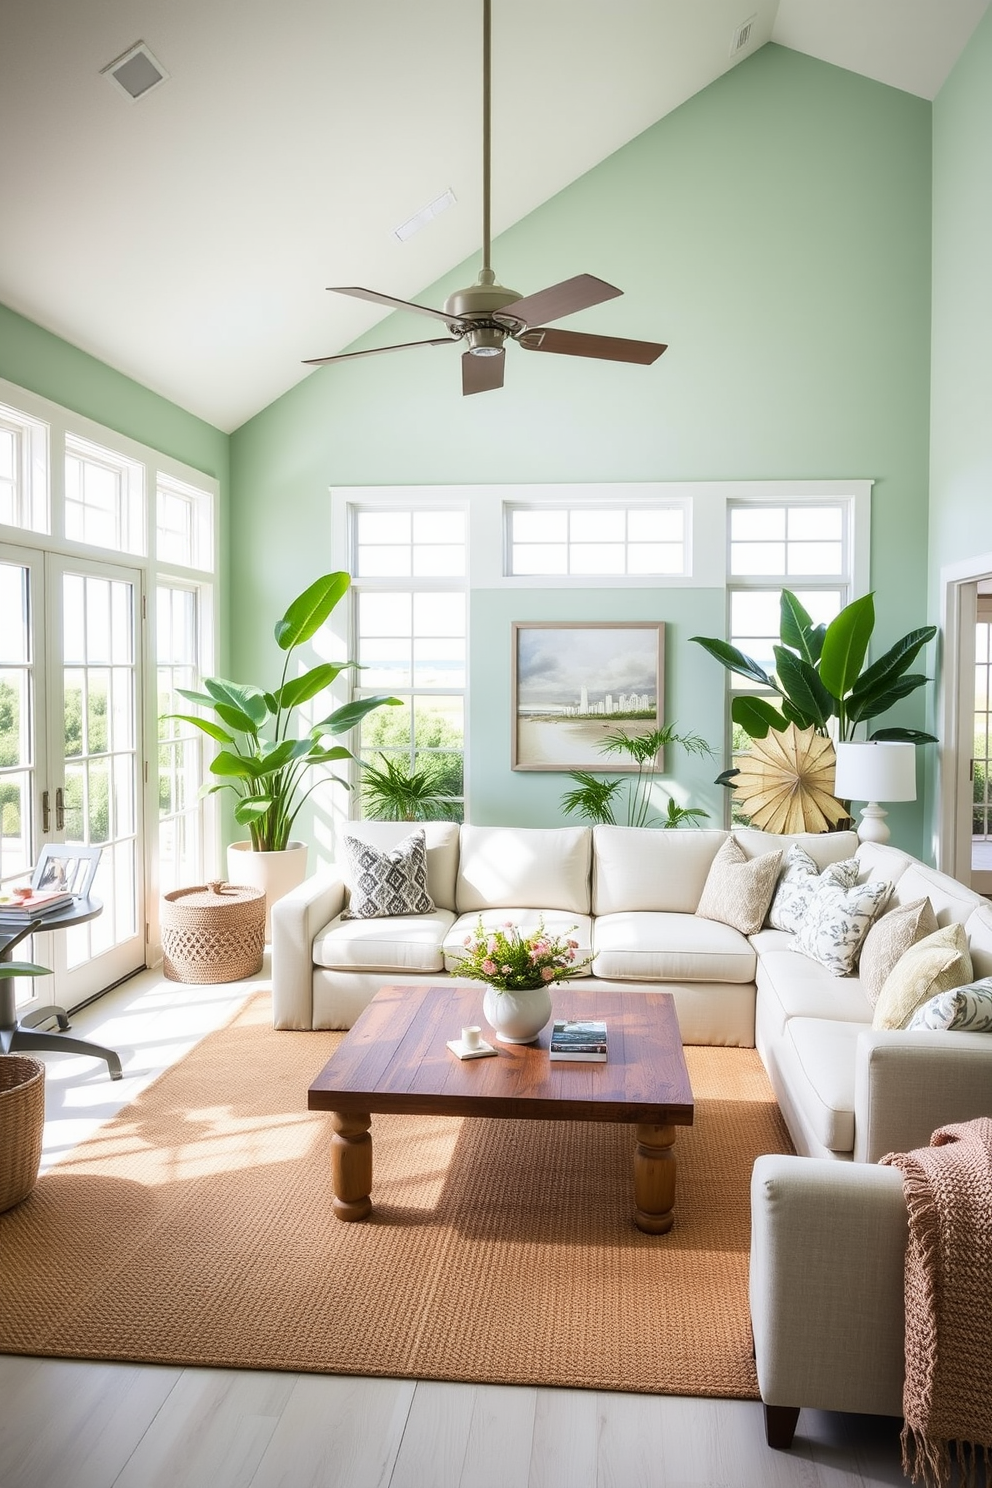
(517, 1017)
(274, 872)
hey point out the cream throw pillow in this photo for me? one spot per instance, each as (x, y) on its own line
(738, 889)
(889, 938)
(936, 964)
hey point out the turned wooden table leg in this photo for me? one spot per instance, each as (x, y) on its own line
(654, 1179)
(351, 1164)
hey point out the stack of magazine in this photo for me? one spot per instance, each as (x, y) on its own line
(580, 1040)
(21, 909)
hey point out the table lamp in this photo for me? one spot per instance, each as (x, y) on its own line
(873, 771)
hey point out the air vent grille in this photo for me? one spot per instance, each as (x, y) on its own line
(742, 35)
(136, 73)
(426, 214)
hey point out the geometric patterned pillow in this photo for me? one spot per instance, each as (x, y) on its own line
(837, 921)
(965, 1009)
(387, 883)
(799, 881)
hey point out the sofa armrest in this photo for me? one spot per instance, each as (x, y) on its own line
(296, 919)
(828, 1244)
(908, 1084)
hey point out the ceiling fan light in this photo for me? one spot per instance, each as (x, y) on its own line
(486, 341)
(485, 350)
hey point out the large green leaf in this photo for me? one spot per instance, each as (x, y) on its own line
(326, 756)
(307, 614)
(797, 629)
(870, 705)
(345, 718)
(895, 661)
(236, 719)
(206, 724)
(845, 645)
(274, 757)
(243, 698)
(202, 698)
(238, 766)
(734, 660)
(24, 968)
(301, 689)
(904, 735)
(251, 808)
(799, 680)
(756, 716)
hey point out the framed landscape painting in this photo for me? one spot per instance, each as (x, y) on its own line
(576, 681)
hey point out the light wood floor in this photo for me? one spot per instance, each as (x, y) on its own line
(73, 1424)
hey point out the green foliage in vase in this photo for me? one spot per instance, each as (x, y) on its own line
(261, 760)
(395, 792)
(599, 799)
(820, 674)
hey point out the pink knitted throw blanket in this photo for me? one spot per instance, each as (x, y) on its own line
(947, 1397)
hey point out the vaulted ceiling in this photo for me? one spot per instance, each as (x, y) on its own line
(186, 238)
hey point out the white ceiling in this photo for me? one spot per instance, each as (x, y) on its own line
(187, 238)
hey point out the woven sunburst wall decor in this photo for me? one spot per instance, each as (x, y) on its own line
(785, 782)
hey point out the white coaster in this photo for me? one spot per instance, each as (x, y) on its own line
(482, 1052)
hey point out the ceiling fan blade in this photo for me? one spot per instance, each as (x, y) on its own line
(394, 304)
(562, 299)
(347, 356)
(609, 348)
(482, 374)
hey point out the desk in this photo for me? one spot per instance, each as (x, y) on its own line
(26, 1035)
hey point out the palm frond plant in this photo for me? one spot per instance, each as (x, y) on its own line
(597, 798)
(261, 759)
(396, 792)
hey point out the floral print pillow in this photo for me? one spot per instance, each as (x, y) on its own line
(799, 881)
(837, 921)
(963, 1009)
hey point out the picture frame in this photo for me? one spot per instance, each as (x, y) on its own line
(573, 681)
(68, 867)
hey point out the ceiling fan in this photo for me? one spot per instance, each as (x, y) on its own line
(486, 315)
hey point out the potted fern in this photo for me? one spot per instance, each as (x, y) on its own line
(596, 799)
(395, 791)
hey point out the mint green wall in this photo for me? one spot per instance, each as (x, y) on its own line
(961, 460)
(775, 230)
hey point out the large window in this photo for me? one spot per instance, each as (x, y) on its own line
(409, 568)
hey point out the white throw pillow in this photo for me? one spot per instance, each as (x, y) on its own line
(382, 884)
(799, 881)
(738, 888)
(965, 1009)
(837, 921)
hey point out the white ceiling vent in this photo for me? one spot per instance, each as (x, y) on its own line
(426, 214)
(742, 35)
(136, 73)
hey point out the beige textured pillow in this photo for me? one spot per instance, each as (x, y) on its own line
(934, 965)
(889, 938)
(739, 889)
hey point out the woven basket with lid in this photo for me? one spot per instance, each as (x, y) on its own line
(214, 932)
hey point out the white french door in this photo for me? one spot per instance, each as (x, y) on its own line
(70, 656)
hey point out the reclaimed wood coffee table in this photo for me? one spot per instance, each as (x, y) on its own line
(395, 1060)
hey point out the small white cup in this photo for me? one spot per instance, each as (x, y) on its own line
(472, 1037)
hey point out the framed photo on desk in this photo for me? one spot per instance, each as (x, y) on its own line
(66, 867)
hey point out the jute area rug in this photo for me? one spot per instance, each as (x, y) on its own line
(196, 1229)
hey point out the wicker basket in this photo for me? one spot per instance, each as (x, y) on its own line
(22, 1126)
(213, 933)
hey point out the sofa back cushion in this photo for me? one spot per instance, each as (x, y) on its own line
(523, 867)
(823, 847)
(952, 901)
(442, 850)
(651, 868)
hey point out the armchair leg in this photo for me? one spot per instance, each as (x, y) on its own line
(780, 1425)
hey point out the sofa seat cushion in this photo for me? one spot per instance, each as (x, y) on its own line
(793, 986)
(393, 943)
(657, 947)
(817, 1060)
(557, 922)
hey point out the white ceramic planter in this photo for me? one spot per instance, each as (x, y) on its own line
(517, 1017)
(275, 872)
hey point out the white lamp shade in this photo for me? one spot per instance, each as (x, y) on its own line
(876, 771)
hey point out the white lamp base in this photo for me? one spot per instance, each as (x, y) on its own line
(874, 827)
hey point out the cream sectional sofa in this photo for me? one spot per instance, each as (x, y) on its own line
(845, 1090)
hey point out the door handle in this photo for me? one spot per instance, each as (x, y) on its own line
(59, 811)
(46, 812)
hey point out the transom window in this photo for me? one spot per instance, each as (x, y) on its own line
(184, 523)
(597, 540)
(788, 540)
(104, 497)
(418, 544)
(23, 470)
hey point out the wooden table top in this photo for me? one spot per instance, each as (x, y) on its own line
(395, 1059)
